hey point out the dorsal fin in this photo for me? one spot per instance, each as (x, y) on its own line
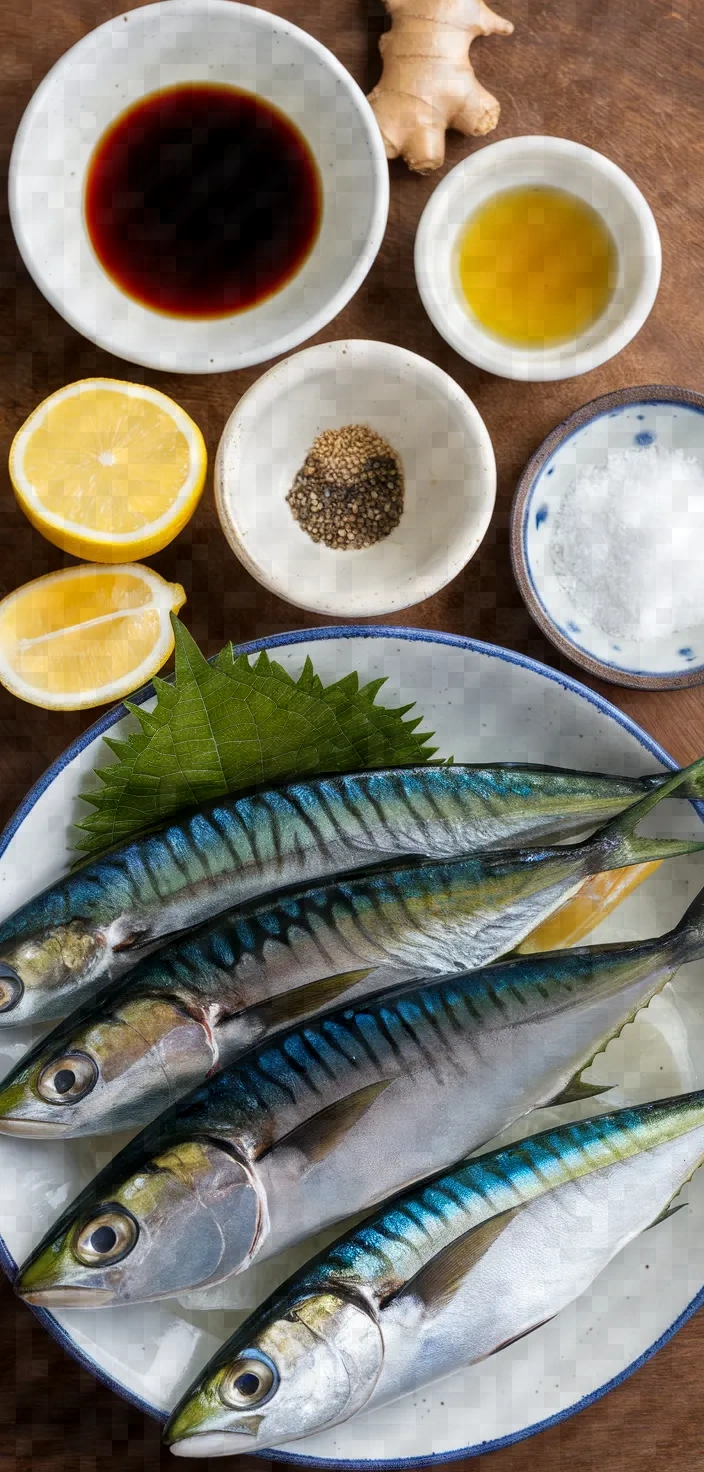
(437, 1283)
(319, 1135)
(303, 1001)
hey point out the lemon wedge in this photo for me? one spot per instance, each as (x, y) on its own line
(591, 904)
(86, 635)
(108, 471)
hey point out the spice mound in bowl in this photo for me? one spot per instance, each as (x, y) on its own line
(608, 524)
(355, 479)
(349, 490)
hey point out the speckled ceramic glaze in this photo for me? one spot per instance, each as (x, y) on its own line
(168, 44)
(448, 466)
(625, 420)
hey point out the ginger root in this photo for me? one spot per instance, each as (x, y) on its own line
(427, 84)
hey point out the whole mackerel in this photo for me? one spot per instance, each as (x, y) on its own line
(441, 1278)
(340, 1113)
(92, 925)
(200, 1002)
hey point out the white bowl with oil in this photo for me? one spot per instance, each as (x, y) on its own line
(560, 164)
(448, 465)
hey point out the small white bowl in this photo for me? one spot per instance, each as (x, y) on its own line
(564, 165)
(144, 51)
(448, 463)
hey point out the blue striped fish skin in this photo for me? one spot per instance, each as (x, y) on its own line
(199, 1002)
(148, 1045)
(344, 1110)
(91, 926)
(441, 1277)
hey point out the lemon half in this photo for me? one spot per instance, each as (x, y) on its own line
(86, 635)
(109, 471)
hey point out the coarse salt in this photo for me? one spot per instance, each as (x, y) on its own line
(628, 543)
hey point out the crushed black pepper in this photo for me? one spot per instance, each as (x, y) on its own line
(349, 491)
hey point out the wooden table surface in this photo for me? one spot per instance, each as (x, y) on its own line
(625, 77)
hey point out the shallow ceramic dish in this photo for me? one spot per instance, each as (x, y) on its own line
(484, 703)
(175, 42)
(624, 420)
(448, 463)
(562, 164)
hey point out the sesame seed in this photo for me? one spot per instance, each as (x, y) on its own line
(349, 491)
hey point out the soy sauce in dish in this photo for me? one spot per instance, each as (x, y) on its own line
(202, 200)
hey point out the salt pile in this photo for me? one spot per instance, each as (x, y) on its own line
(628, 543)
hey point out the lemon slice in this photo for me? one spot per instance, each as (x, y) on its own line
(86, 635)
(109, 471)
(597, 897)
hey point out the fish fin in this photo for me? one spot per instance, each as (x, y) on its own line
(575, 1091)
(669, 1211)
(134, 937)
(304, 1000)
(319, 1135)
(688, 936)
(523, 1334)
(617, 845)
(437, 1283)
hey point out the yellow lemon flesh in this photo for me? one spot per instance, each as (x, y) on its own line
(592, 903)
(109, 471)
(86, 635)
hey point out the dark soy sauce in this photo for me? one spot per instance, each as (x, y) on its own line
(202, 200)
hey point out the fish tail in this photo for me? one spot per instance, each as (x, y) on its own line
(692, 786)
(617, 844)
(687, 937)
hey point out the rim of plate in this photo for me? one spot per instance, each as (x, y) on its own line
(309, 636)
(649, 393)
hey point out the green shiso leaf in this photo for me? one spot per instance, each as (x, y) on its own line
(229, 725)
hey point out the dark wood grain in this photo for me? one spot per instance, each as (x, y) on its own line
(625, 77)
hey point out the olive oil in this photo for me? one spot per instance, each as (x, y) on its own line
(537, 265)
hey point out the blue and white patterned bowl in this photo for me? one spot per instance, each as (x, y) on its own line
(630, 417)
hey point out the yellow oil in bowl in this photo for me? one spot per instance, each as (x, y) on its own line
(537, 265)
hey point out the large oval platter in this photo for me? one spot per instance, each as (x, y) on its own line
(483, 703)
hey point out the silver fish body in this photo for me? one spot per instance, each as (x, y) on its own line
(441, 1277)
(340, 1113)
(92, 925)
(199, 1003)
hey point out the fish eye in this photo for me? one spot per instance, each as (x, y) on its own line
(67, 1080)
(248, 1382)
(11, 988)
(106, 1238)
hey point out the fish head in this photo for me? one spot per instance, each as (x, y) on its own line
(42, 968)
(180, 1219)
(110, 1068)
(307, 1363)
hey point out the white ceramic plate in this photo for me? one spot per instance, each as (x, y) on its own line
(484, 703)
(168, 44)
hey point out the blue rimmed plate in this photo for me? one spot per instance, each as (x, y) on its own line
(630, 418)
(484, 703)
